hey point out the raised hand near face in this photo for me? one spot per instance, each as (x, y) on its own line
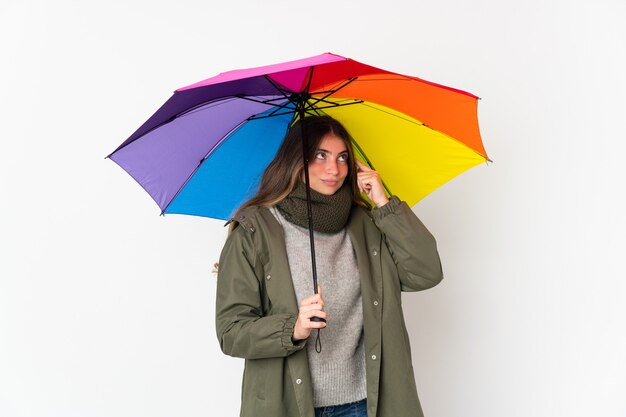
(369, 182)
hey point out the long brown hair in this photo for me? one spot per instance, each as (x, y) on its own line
(282, 174)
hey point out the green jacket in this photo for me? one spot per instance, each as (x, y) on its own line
(256, 309)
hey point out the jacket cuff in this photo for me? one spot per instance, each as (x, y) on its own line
(286, 338)
(380, 212)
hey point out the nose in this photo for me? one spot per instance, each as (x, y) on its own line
(332, 167)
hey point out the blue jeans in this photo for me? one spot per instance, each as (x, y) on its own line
(357, 409)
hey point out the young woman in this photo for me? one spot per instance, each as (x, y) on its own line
(365, 258)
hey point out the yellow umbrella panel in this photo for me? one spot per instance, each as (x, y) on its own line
(412, 158)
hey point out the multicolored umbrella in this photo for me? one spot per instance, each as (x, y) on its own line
(203, 152)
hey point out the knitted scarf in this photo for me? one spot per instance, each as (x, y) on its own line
(330, 212)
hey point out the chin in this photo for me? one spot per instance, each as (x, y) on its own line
(325, 190)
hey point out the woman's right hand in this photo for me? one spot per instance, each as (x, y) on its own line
(312, 306)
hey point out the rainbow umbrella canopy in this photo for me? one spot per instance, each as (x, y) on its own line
(204, 151)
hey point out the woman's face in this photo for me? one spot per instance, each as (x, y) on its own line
(329, 166)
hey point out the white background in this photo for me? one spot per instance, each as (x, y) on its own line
(106, 308)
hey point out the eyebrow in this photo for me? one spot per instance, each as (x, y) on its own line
(327, 151)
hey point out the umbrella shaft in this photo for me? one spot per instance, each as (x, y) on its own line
(305, 159)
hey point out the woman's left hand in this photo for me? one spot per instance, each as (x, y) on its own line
(369, 182)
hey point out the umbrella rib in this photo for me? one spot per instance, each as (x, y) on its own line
(395, 115)
(279, 107)
(273, 112)
(292, 100)
(405, 78)
(215, 102)
(265, 116)
(336, 103)
(262, 101)
(333, 91)
(275, 99)
(281, 89)
(321, 100)
(426, 126)
(217, 144)
(328, 93)
(310, 109)
(313, 111)
(416, 79)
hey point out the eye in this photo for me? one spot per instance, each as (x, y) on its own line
(343, 158)
(320, 155)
